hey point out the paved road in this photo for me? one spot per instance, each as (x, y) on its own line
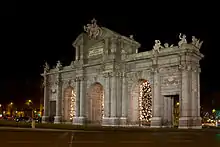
(52, 138)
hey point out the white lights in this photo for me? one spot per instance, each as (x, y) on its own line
(145, 102)
(72, 105)
(102, 104)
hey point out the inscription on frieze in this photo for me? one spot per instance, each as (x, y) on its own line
(94, 51)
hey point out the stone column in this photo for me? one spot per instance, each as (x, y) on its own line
(194, 93)
(106, 97)
(75, 119)
(198, 87)
(185, 103)
(81, 54)
(77, 52)
(197, 120)
(156, 119)
(107, 106)
(82, 101)
(113, 99)
(57, 118)
(113, 96)
(45, 116)
(124, 112)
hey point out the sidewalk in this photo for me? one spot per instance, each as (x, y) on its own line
(43, 129)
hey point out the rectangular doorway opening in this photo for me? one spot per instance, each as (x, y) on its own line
(171, 111)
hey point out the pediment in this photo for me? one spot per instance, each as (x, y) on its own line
(84, 38)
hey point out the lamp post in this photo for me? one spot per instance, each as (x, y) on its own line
(10, 108)
(29, 103)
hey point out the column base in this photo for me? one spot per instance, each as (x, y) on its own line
(110, 121)
(79, 120)
(57, 119)
(197, 123)
(45, 119)
(156, 122)
(123, 121)
(185, 122)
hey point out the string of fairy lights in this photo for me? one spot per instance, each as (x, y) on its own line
(102, 105)
(145, 102)
(72, 105)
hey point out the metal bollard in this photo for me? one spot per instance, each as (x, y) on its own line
(33, 123)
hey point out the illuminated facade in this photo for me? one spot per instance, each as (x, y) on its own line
(109, 83)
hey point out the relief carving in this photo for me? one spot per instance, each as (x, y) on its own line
(53, 92)
(171, 80)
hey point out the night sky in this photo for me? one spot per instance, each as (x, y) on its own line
(46, 33)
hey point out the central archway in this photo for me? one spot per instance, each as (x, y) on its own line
(96, 104)
(141, 103)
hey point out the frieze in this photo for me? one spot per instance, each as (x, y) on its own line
(171, 80)
(186, 67)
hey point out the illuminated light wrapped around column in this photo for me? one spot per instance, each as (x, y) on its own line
(102, 104)
(145, 102)
(72, 105)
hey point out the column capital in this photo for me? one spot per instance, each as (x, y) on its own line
(76, 79)
(185, 67)
(155, 69)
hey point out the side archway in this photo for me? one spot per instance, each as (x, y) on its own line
(95, 101)
(69, 104)
(141, 103)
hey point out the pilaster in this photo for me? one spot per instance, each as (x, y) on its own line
(112, 120)
(77, 52)
(196, 119)
(107, 100)
(57, 118)
(124, 111)
(185, 103)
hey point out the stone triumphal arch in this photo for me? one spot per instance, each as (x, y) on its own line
(110, 83)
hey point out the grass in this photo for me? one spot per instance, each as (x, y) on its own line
(4, 123)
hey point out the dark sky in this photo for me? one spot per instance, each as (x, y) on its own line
(46, 32)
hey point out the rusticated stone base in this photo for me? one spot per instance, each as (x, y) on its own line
(156, 122)
(79, 121)
(185, 122)
(110, 121)
(197, 123)
(45, 119)
(57, 119)
(190, 123)
(123, 121)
